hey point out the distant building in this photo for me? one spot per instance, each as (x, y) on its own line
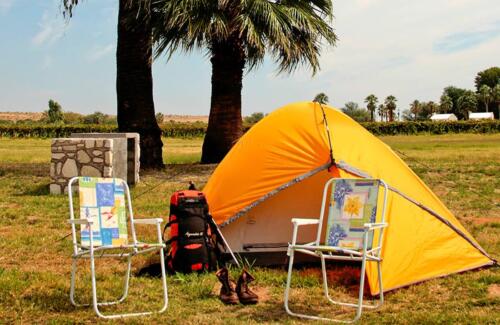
(481, 116)
(443, 117)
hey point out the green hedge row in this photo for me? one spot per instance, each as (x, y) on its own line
(175, 130)
(416, 127)
(190, 130)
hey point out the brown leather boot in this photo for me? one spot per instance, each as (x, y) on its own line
(227, 294)
(246, 296)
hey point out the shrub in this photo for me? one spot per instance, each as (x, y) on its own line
(254, 118)
(197, 129)
(431, 127)
(55, 113)
(159, 118)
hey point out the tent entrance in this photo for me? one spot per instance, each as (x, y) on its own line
(267, 226)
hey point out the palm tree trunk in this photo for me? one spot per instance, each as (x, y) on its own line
(224, 123)
(134, 82)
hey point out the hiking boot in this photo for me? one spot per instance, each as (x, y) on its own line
(227, 294)
(246, 296)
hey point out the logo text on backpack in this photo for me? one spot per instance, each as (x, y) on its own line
(193, 234)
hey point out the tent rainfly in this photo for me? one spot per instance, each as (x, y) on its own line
(277, 171)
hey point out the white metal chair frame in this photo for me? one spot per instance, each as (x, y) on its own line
(333, 253)
(128, 251)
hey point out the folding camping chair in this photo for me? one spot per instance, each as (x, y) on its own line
(350, 231)
(103, 227)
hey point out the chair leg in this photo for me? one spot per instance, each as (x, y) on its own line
(325, 279)
(380, 301)
(107, 303)
(125, 286)
(359, 308)
(380, 284)
(72, 285)
(291, 255)
(96, 304)
(287, 295)
(163, 281)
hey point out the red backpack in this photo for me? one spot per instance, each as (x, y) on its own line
(192, 246)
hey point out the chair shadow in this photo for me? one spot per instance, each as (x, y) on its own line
(54, 301)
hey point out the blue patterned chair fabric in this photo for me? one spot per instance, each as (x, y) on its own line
(102, 200)
(352, 204)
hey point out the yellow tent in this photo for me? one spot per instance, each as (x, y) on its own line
(277, 170)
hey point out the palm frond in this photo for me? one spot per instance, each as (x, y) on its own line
(292, 31)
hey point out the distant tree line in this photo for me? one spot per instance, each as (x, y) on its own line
(458, 101)
(54, 114)
(461, 101)
(386, 110)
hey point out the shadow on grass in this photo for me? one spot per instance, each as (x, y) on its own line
(32, 169)
(37, 190)
(50, 300)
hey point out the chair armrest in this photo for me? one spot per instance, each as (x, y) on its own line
(148, 221)
(301, 222)
(304, 221)
(80, 221)
(372, 226)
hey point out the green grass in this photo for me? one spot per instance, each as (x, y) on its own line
(34, 261)
(178, 150)
(36, 150)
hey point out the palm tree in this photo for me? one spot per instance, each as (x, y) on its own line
(237, 34)
(321, 98)
(134, 81)
(432, 107)
(446, 103)
(371, 104)
(355, 112)
(415, 109)
(390, 104)
(485, 94)
(382, 112)
(467, 103)
(496, 96)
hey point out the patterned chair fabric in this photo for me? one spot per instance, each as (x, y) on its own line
(352, 204)
(102, 200)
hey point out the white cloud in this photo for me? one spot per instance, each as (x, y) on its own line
(5, 5)
(409, 49)
(99, 52)
(51, 29)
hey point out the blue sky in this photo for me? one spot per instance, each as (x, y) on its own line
(410, 49)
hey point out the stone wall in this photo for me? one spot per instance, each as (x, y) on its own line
(79, 157)
(126, 153)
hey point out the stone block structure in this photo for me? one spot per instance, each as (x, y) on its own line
(94, 154)
(126, 153)
(78, 156)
